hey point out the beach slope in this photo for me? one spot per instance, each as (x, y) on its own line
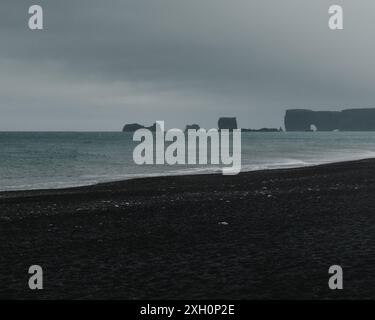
(258, 235)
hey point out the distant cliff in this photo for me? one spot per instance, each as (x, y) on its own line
(346, 120)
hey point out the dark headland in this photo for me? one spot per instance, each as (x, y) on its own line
(265, 234)
(345, 120)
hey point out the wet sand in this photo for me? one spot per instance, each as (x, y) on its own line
(258, 235)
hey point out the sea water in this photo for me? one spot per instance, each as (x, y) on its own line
(43, 160)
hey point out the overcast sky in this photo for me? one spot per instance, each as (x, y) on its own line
(100, 64)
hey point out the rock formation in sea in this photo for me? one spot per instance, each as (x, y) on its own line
(346, 120)
(192, 127)
(132, 127)
(227, 123)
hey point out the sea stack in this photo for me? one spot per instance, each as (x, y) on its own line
(132, 127)
(227, 123)
(195, 127)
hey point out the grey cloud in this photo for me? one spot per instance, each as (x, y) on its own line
(101, 63)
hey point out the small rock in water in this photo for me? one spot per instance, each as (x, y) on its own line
(224, 223)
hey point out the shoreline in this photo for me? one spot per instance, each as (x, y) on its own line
(268, 234)
(84, 186)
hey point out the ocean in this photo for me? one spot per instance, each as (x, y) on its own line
(44, 160)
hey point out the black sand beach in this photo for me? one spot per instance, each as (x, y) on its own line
(164, 238)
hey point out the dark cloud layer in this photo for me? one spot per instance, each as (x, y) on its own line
(99, 64)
